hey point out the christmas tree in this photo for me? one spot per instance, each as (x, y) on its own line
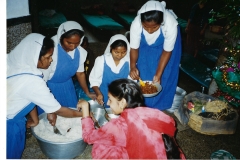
(227, 75)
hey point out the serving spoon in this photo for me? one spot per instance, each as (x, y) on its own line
(141, 82)
(106, 113)
(56, 130)
(96, 124)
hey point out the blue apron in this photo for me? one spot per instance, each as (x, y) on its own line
(109, 76)
(61, 84)
(16, 130)
(147, 63)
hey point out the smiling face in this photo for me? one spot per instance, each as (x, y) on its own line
(45, 61)
(151, 26)
(116, 105)
(118, 53)
(69, 44)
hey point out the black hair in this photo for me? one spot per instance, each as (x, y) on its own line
(156, 16)
(202, 1)
(48, 43)
(85, 40)
(171, 147)
(118, 43)
(128, 89)
(71, 33)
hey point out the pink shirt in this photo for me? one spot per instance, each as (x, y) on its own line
(135, 134)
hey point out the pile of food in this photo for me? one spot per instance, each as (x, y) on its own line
(70, 128)
(148, 88)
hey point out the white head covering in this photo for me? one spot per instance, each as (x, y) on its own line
(113, 39)
(152, 5)
(67, 26)
(24, 57)
(64, 27)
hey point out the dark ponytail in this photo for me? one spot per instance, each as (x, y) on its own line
(128, 89)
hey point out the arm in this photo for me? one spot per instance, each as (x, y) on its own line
(42, 97)
(204, 28)
(64, 112)
(134, 73)
(99, 95)
(170, 38)
(205, 20)
(191, 15)
(84, 105)
(95, 78)
(135, 39)
(107, 135)
(67, 112)
(186, 29)
(33, 120)
(81, 77)
(161, 65)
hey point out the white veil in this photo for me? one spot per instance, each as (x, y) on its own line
(113, 39)
(67, 26)
(24, 57)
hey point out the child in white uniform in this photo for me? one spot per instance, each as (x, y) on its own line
(112, 65)
(68, 60)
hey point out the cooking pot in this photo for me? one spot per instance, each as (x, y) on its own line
(99, 112)
(59, 150)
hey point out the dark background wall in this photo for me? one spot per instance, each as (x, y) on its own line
(71, 8)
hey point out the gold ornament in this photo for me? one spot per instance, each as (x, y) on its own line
(233, 85)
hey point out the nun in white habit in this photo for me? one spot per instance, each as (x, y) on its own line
(112, 65)
(155, 53)
(68, 60)
(26, 88)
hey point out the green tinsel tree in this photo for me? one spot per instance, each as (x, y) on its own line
(231, 13)
(227, 76)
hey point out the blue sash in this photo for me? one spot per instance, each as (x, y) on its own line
(61, 84)
(109, 76)
(16, 130)
(149, 56)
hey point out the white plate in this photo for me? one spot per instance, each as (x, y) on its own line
(159, 88)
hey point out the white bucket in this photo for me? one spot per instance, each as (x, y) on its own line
(179, 95)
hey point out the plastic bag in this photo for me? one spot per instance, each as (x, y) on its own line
(183, 113)
(178, 97)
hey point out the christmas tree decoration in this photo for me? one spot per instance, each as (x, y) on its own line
(227, 75)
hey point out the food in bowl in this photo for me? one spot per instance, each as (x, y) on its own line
(148, 88)
(100, 114)
(66, 147)
(70, 128)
